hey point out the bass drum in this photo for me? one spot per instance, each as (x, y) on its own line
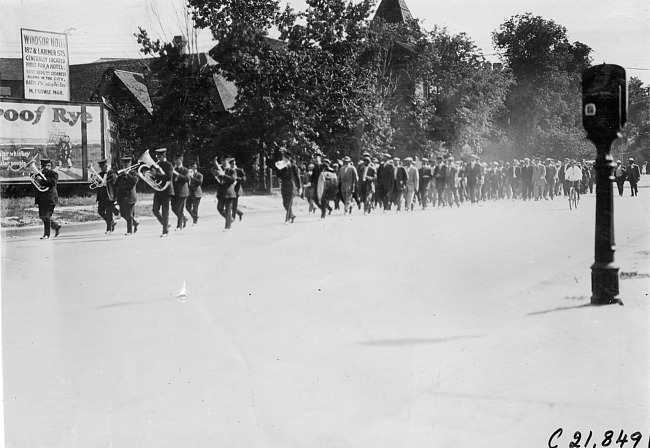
(327, 186)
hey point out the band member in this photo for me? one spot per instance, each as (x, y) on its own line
(290, 183)
(193, 200)
(161, 199)
(126, 195)
(226, 193)
(181, 191)
(239, 189)
(47, 200)
(106, 196)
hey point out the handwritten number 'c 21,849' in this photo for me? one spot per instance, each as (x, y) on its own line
(591, 440)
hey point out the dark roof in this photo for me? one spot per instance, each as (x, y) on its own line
(84, 78)
(409, 48)
(393, 11)
(11, 69)
(136, 84)
(275, 44)
(227, 92)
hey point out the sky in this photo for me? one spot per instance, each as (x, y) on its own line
(617, 32)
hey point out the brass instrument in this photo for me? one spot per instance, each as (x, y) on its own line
(217, 170)
(127, 169)
(36, 176)
(145, 161)
(96, 180)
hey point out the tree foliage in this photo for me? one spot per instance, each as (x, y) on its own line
(184, 117)
(546, 98)
(637, 130)
(417, 91)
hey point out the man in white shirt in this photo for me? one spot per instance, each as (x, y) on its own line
(573, 176)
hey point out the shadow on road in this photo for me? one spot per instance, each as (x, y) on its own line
(416, 341)
(563, 308)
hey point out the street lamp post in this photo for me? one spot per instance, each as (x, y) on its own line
(604, 112)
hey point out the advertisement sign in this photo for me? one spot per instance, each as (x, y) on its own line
(69, 134)
(46, 71)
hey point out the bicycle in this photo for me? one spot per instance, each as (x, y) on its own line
(574, 196)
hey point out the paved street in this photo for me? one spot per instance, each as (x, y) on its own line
(438, 328)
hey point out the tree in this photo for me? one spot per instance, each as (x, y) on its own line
(185, 118)
(636, 142)
(466, 92)
(542, 104)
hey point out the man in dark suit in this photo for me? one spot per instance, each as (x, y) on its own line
(348, 179)
(239, 188)
(194, 199)
(367, 177)
(451, 182)
(551, 178)
(440, 176)
(126, 195)
(161, 199)
(619, 177)
(473, 173)
(385, 182)
(290, 183)
(226, 194)
(527, 174)
(106, 196)
(47, 199)
(566, 185)
(401, 178)
(633, 175)
(425, 178)
(180, 181)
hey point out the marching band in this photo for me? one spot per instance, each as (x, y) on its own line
(376, 184)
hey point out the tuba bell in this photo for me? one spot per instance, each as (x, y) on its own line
(146, 166)
(96, 180)
(36, 176)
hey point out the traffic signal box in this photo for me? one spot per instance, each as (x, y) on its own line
(604, 101)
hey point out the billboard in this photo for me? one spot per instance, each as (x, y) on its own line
(46, 70)
(69, 134)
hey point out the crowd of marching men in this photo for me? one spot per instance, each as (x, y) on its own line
(388, 182)
(375, 182)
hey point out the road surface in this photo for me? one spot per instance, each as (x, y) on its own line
(438, 328)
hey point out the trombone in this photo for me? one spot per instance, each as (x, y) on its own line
(36, 176)
(97, 181)
(145, 161)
